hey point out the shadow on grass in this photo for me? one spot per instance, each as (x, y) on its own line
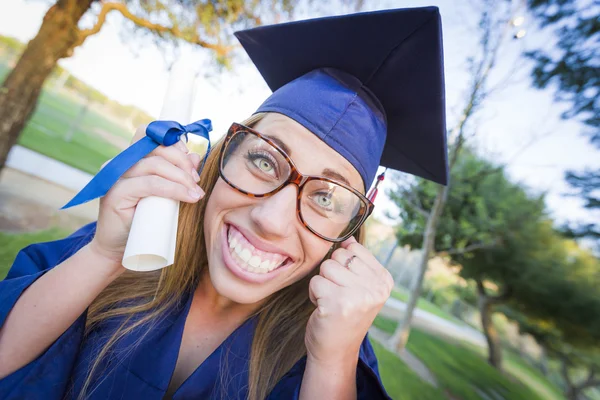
(461, 372)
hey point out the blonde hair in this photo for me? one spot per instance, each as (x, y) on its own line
(142, 299)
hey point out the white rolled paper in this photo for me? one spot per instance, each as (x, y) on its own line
(153, 235)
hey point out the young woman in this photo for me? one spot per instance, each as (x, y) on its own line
(271, 293)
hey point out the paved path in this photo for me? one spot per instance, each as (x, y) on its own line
(46, 168)
(395, 309)
(34, 187)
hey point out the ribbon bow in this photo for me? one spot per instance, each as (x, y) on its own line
(164, 133)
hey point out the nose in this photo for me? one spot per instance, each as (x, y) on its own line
(275, 216)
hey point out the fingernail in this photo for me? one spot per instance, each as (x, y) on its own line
(195, 193)
(195, 175)
(181, 146)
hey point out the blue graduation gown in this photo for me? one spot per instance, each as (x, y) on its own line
(140, 366)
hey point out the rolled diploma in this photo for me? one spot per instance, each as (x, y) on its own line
(152, 239)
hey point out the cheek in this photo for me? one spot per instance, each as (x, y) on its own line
(220, 201)
(315, 250)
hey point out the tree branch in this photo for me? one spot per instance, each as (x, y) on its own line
(85, 33)
(590, 381)
(491, 299)
(466, 249)
(416, 207)
(565, 370)
(220, 49)
(503, 296)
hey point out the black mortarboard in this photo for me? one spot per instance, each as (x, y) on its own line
(371, 85)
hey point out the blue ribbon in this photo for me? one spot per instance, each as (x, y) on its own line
(164, 133)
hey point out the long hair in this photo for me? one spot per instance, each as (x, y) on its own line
(141, 299)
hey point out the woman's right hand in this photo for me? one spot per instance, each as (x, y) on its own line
(168, 172)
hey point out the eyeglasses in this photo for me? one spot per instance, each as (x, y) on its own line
(257, 167)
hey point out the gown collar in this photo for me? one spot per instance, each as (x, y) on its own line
(155, 357)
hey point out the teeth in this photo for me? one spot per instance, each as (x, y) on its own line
(250, 258)
(245, 255)
(255, 261)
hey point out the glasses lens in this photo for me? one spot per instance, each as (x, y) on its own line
(330, 209)
(253, 165)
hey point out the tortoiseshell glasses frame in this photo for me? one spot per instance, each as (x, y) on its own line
(296, 178)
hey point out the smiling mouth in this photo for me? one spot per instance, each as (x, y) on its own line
(249, 258)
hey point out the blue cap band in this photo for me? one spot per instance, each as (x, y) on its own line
(337, 108)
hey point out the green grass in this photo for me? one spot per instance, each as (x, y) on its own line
(534, 378)
(46, 131)
(426, 306)
(400, 381)
(463, 373)
(10, 244)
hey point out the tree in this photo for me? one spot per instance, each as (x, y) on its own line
(571, 68)
(566, 327)
(495, 25)
(491, 228)
(207, 24)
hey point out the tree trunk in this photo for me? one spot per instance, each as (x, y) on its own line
(400, 337)
(486, 304)
(573, 390)
(20, 91)
(543, 361)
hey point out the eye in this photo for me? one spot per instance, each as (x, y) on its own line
(322, 199)
(263, 164)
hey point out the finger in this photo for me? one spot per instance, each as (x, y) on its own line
(338, 274)
(161, 167)
(196, 159)
(362, 252)
(320, 289)
(350, 260)
(152, 185)
(175, 156)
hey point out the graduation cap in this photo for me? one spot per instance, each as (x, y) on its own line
(371, 85)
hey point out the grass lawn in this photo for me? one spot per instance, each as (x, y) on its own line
(534, 378)
(425, 305)
(45, 132)
(10, 244)
(464, 374)
(400, 381)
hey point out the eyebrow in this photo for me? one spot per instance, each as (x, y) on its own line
(279, 143)
(329, 173)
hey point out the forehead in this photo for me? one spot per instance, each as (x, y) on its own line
(309, 153)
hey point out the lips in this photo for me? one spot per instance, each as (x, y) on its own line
(249, 258)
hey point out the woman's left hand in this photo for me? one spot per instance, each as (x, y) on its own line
(349, 292)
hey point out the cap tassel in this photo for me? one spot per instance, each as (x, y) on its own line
(373, 193)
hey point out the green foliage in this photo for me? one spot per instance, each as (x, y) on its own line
(586, 185)
(571, 69)
(494, 231)
(209, 24)
(10, 47)
(572, 65)
(482, 209)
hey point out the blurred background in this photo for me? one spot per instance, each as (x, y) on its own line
(497, 275)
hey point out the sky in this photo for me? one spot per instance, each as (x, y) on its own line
(519, 126)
